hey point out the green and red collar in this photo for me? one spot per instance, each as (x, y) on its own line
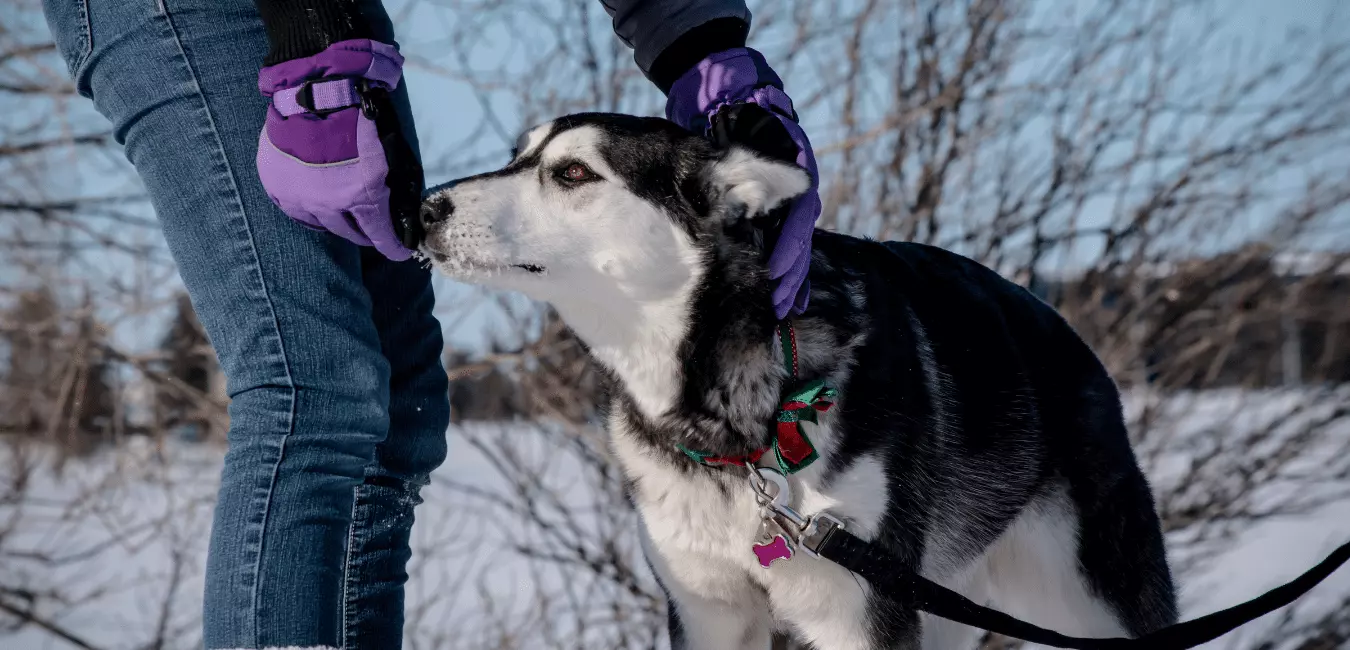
(792, 450)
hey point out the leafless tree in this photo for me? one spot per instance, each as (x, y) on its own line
(1172, 191)
(1178, 194)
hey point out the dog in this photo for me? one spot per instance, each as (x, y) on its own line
(973, 433)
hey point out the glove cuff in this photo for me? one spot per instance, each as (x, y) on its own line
(728, 77)
(378, 63)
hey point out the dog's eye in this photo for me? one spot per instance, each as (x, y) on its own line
(577, 173)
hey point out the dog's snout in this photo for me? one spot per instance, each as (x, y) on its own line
(436, 209)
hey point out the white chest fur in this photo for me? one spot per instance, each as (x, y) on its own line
(699, 537)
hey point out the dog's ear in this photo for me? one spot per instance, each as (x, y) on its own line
(754, 185)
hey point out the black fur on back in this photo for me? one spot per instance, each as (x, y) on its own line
(979, 397)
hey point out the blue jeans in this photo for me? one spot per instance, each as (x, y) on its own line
(331, 353)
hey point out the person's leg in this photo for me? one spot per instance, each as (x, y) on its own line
(419, 412)
(310, 538)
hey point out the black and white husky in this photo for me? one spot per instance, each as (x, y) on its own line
(974, 433)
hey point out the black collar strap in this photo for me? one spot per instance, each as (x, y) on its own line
(888, 575)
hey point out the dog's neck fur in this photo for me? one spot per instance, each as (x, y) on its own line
(637, 344)
(702, 367)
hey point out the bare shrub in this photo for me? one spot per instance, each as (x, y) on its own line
(1179, 195)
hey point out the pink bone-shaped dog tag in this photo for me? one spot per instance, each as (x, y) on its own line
(774, 550)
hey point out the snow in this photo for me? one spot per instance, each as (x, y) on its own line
(138, 526)
(1312, 487)
(1266, 556)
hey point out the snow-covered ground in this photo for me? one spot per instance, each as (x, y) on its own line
(122, 535)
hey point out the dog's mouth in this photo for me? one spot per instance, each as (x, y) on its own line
(469, 265)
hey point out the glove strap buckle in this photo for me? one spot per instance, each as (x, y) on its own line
(318, 97)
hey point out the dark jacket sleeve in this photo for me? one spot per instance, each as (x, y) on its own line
(300, 28)
(669, 36)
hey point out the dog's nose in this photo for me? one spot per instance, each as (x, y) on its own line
(436, 209)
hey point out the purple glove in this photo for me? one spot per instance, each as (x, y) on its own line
(717, 87)
(331, 154)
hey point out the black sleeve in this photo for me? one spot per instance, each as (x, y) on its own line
(300, 28)
(679, 31)
(691, 47)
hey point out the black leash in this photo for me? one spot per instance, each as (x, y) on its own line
(887, 574)
(822, 535)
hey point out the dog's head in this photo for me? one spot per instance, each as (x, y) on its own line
(601, 210)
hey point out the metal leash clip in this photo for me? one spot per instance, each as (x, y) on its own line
(797, 530)
(779, 500)
(817, 530)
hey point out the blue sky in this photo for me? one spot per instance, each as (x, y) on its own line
(447, 112)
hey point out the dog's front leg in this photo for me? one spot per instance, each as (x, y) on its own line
(712, 606)
(701, 624)
(885, 625)
(829, 608)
